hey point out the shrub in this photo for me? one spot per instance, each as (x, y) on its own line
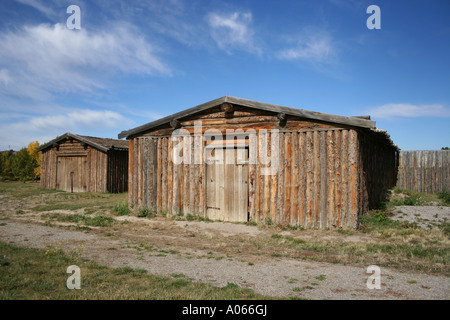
(445, 197)
(122, 208)
(144, 212)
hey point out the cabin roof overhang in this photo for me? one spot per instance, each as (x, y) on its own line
(90, 142)
(362, 122)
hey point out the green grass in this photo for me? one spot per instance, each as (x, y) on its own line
(87, 220)
(19, 190)
(30, 274)
(122, 208)
(444, 196)
(401, 197)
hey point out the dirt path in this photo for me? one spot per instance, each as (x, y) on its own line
(277, 277)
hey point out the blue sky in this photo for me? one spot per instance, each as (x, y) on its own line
(135, 61)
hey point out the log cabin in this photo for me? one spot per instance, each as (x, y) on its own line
(233, 159)
(76, 163)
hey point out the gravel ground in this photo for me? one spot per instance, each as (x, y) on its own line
(280, 277)
(425, 216)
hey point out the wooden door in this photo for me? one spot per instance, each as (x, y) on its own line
(227, 186)
(71, 174)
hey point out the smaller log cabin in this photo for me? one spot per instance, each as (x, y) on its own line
(234, 159)
(77, 163)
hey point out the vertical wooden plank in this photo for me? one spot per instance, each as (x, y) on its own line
(274, 165)
(155, 175)
(144, 169)
(267, 179)
(253, 158)
(191, 177)
(287, 176)
(323, 204)
(197, 174)
(229, 208)
(176, 179)
(259, 180)
(186, 158)
(317, 176)
(344, 177)
(165, 180)
(309, 179)
(148, 167)
(159, 174)
(281, 179)
(135, 173)
(331, 178)
(210, 193)
(294, 180)
(302, 178)
(220, 184)
(354, 181)
(338, 178)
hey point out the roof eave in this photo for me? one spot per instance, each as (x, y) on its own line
(352, 121)
(74, 136)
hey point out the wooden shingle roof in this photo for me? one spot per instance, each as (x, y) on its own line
(362, 122)
(103, 144)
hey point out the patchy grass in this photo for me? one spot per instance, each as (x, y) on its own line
(30, 274)
(74, 201)
(391, 244)
(93, 221)
(380, 240)
(401, 197)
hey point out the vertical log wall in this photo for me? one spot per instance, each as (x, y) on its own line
(424, 170)
(326, 177)
(103, 172)
(117, 171)
(380, 170)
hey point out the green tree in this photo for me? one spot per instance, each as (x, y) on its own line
(5, 167)
(445, 148)
(23, 165)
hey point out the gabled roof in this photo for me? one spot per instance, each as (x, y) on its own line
(103, 144)
(362, 122)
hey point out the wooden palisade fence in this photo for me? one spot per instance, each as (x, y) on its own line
(424, 170)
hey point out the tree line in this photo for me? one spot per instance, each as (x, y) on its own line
(22, 165)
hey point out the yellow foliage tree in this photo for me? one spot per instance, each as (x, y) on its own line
(36, 156)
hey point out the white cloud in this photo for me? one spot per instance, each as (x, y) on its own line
(233, 31)
(311, 45)
(37, 61)
(78, 119)
(394, 110)
(19, 131)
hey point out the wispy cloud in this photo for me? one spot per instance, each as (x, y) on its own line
(310, 45)
(41, 60)
(405, 110)
(43, 8)
(233, 31)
